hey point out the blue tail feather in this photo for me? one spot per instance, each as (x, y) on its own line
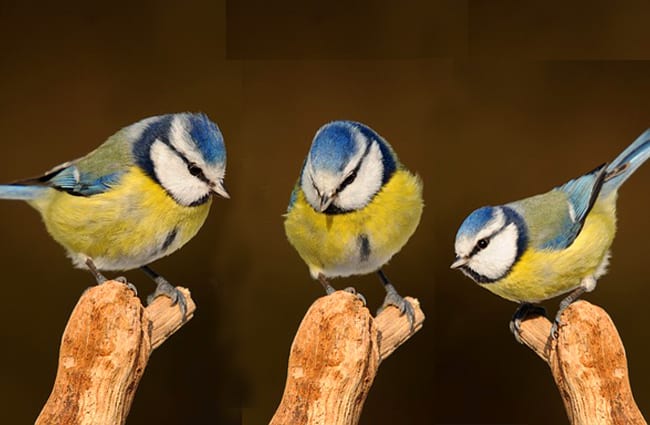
(627, 162)
(23, 193)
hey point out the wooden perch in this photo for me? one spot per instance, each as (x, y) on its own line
(588, 363)
(334, 359)
(104, 350)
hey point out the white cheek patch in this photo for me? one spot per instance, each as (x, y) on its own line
(497, 258)
(172, 172)
(367, 183)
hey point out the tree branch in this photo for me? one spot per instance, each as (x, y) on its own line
(588, 363)
(104, 350)
(334, 359)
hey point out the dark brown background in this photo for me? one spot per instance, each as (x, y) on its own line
(488, 101)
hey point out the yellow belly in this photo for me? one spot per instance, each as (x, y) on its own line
(540, 275)
(132, 224)
(334, 244)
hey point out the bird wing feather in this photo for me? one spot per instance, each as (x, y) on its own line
(556, 218)
(92, 174)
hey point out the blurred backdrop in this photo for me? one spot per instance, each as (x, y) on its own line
(487, 101)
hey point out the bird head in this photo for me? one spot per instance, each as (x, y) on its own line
(348, 163)
(184, 153)
(489, 243)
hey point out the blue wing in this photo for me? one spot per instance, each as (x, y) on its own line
(581, 194)
(69, 178)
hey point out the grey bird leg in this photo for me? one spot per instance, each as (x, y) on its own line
(100, 278)
(393, 298)
(329, 289)
(163, 287)
(566, 302)
(524, 310)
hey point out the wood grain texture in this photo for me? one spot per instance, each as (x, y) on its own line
(588, 363)
(334, 359)
(104, 351)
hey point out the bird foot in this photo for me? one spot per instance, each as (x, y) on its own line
(128, 284)
(557, 323)
(404, 307)
(555, 328)
(164, 288)
(359, 295)
(523, 311)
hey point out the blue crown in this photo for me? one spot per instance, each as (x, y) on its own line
(208, 138)
(333, 146)
(475, 221)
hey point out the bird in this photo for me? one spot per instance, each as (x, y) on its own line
(353, 207)
(139, 196)
(551, 244)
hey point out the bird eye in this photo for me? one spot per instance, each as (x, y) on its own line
(483, 243)
(348, 180)
(194, 169)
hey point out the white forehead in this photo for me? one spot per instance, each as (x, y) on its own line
(326, 182)
(465, 244)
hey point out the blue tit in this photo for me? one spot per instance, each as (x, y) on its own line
(551, 244)
(353, 207)
(139, 196)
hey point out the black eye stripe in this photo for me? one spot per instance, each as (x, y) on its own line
(192, 167)
(353, 175)
(180, 155)
(483, 243)
(474, 251)
(349, 179)
(201, 176)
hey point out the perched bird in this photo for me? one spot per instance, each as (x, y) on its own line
(353, 207)
(140, 196)
(550, 244)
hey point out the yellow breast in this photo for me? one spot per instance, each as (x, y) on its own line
(132, 224)
(360, 241)
(544, 274)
